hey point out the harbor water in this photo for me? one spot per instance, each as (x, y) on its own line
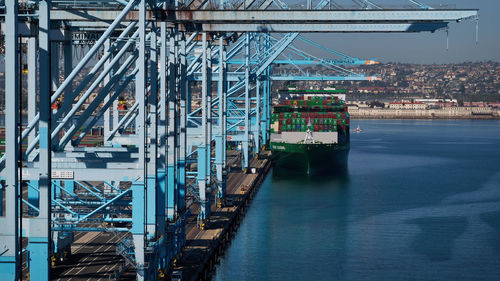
(420, 201)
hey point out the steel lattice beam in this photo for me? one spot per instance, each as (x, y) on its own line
(271, 16)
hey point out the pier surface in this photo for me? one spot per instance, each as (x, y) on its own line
(204, 246)
(94, 253)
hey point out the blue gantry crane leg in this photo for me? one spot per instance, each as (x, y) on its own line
(9, 242)
(246, 137)
(140, 186)
(39, 239)
(172, 185)
(220, 137)
(204, 148)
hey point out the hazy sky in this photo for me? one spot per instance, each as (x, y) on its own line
(427, 47)
(417, 47)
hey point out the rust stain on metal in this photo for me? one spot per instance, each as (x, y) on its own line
(184, 15)
(132, 15)
(150, 14)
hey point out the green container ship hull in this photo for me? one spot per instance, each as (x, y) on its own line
(310, 158)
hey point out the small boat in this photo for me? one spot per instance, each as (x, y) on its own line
(358, 129)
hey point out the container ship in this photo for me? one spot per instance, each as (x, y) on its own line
(310, 130)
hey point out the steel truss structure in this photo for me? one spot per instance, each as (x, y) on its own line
(198, 77)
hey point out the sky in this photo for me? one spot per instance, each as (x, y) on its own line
(426, 48)
(422, 48)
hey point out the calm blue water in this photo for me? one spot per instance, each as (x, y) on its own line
(420, 201)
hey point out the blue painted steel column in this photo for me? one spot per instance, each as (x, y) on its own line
(256, 127)
(153, 138)
(181, 167)
(55, 195)
(209, 119)
(220, 147)
(137, 229)
(9, 240)
(269, 105)
(266, 110)
(202, 148)
(161, 185)
(54, 76)
(246, 136)
(54, 65)
(32, 105)
(138, 188)
(32, 83)
(172, 127)
(267, 96)
(40, 227)
(224, 111)
(116, 114)
(162, 132)
(258, 102)
(68, 66)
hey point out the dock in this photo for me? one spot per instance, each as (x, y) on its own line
(94, 253)
(205, 246)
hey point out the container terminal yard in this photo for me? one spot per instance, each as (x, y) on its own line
(158, 191)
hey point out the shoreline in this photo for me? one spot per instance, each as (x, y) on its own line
(414, 114)
(354, 117)
(454, 113)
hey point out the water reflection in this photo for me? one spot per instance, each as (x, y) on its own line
(408, 206)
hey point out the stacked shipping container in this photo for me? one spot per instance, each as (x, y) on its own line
(318, 114)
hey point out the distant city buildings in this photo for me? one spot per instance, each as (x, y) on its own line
(436, 86)
(407, 105)
(446, 80)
